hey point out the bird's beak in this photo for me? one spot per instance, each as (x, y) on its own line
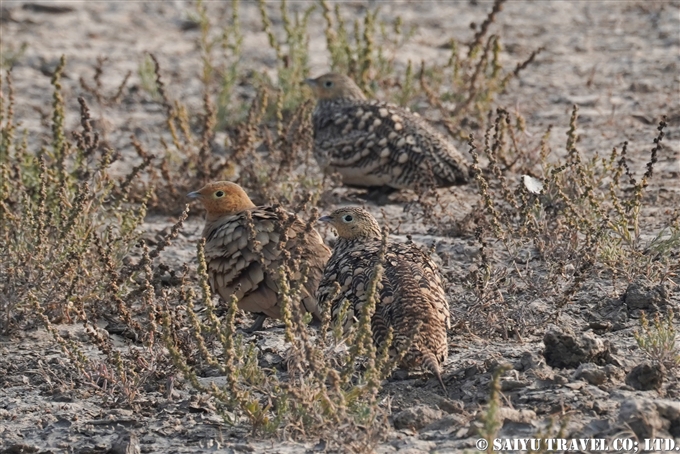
(325, 219)
(310, 82)
(194, 195)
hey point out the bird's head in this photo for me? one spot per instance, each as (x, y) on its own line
(332, 86)
(352, 222)
(222, 198)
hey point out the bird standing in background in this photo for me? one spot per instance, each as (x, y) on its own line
(410, 295)
(374, 143)
(243, 251)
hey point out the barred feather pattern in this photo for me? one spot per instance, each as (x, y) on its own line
(244, 250)
(411, 298)
(374, 143)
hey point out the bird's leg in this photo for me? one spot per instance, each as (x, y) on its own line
(257, 325)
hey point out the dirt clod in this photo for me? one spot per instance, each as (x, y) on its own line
(641, 295)
(448, 423)
(415, 418)
(670, 411)
(564, 349)
(646, 376)
(592, 373)
(126, 443)
(651, 418)
(514, 415)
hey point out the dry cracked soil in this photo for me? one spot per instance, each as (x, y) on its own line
(582, 375)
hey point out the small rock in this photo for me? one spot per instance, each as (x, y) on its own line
(565, 349)
(451, 406)
(509, 385)
(642, 417)
(600, 327)
(603, 407)
(63, 397)
(670, 410)
(415, 418)
(646, 376)
(474, 370)
(529, 360)
(642, 296)
(188, 24)
(559, 379)
(447, 423)
(592, 373)
(614, 373)
(507, 414)
(126, 443)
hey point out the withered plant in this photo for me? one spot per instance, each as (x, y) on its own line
(267, 150)
(320, 391)
(69, 234)
(542, 236)
(271, 160)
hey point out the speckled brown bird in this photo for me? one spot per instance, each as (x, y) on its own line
(411, 295)
(374, 143)
(243, 259)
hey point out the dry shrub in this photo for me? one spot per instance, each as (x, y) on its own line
(269, 159)
(461, 90)
(659, 341)
(59, 205)
(72, 229)
(267, 151)
(67, 218)
(329, 383)
(69, 232)
(542, 236)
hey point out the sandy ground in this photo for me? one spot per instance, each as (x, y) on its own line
(618, 60)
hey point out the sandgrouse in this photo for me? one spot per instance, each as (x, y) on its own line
(373, 143)
(243, 250)
(411, 297)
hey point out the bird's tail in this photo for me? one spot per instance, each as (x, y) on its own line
(430, 363)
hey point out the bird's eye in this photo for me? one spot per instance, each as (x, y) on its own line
(219, 194)
(328, 84)
(347, 218)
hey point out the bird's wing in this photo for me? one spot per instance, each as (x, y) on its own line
(241, 253)
(386, 144)
(419, 299)
(244, 256)
(346, 278)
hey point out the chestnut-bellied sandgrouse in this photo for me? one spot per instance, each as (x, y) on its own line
(410, 295)
(244, 250)
(374, 143)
